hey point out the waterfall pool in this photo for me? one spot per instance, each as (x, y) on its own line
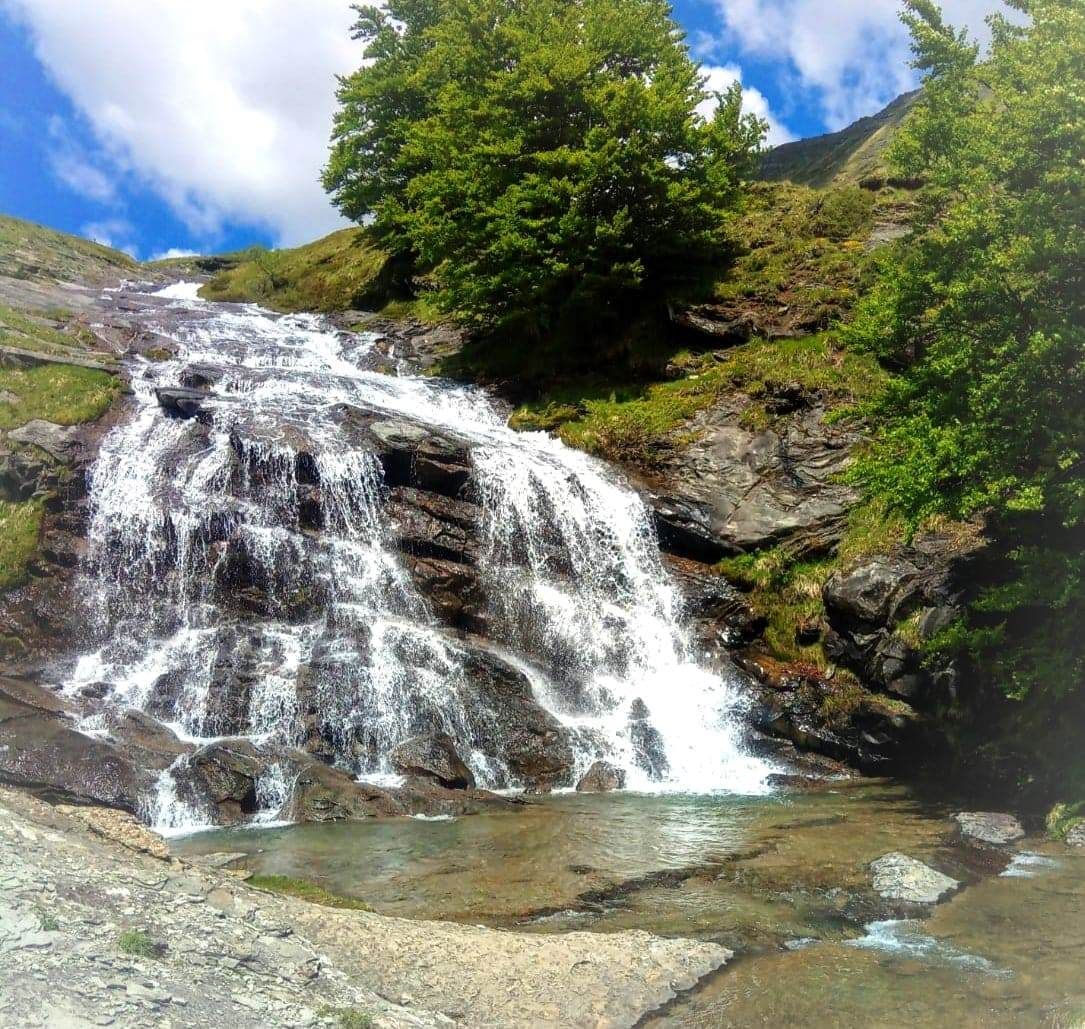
(781, 880)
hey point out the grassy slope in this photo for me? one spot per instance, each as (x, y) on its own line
(60, 393)
(30, 251)
(339, 272)
(852, 155)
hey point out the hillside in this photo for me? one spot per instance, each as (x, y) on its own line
(339, 272)
(851, 156)
(34, 252)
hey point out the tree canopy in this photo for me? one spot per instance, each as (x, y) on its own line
(543, 160)
(983, 310)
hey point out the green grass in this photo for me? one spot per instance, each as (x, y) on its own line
(138, 944)
(336, 273)
(47, 922)
(347, 1018)
(642, 423)
(302, 889)
(60, 393)
(20, 527)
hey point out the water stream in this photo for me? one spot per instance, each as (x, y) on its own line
(578, 594)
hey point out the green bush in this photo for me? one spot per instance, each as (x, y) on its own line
(545, 160)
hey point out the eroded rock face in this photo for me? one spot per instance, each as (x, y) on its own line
(897, 877)
(989, 827)
(880, 607)
(433, 757)
(735, 489)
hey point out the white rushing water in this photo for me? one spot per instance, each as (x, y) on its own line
(347, 650)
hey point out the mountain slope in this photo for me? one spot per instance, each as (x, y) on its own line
(34, 252)
(852, 155)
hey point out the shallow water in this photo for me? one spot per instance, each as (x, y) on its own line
(774, 878)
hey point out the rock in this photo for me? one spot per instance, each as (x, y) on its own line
(433, 756)
(58, 441)
(721, 611)
(736, 489)
(989, 827)
(434, 526)
(153, 744)
(226, 773)
(602, 777)
(1076, 836)
(179, 402)
(898, 877)
(120, 827)
(649, 751)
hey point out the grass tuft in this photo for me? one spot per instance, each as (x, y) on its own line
(138, 944)
(60, 393)
(20, 527)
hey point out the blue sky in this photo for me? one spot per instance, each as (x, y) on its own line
(201, 125)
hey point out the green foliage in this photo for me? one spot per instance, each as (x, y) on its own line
(544, 159)
(985, 309)
(47, 922)
(347, 1018)
(1064, 817)
(785, 588)
(20, 527)
(138, 944)
(60, 393)
(336, 273)
(641, 423)
(305, 890)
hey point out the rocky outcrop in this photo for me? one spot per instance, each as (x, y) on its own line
(432, 756)
(736, 489)
(881, 609)
(838, 719)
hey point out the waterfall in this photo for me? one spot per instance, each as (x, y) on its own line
(243, 577)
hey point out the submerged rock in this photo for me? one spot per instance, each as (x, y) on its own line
(898, 877)
(989, 827)
(602, 777)
(433, 756)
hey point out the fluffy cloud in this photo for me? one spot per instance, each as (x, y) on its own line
(854, 53)
(223, 107)
(112, 232)
(719, 78)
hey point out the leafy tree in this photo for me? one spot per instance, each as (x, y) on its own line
(983, 310)
(543, 158)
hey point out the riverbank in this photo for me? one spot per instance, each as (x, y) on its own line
(95, 933)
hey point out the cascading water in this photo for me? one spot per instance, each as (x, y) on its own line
(338, 644)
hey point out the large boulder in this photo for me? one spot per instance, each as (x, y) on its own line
(602, 777)
(433, 756)
(184, 403)
(897, 877)
(737, 489)
(989, 827)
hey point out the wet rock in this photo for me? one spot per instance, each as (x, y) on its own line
(602, 777)
(989, 827)
(183, 403)
(435, 526)
(323, 794)
(722, 613)
(897, 877)
(649, 751)
(434, 757)
(201, 377)
(735, 489)
(226, 773)
(1076, 836)
(151, 743)
(453, 591)
(507, 722)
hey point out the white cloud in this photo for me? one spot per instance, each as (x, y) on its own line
(853, 53)
(223, 107)
(112, 232)
(173, 253)
(718, 78)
